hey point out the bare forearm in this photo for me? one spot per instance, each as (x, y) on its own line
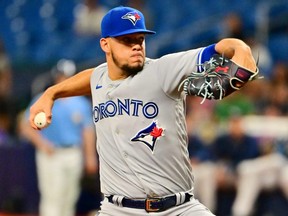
(238, 51)
(77, 85)
(74, 86)
(228, 46)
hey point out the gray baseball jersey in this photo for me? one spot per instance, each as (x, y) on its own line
(141, 128)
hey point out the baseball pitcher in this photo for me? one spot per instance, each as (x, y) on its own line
(139, 113)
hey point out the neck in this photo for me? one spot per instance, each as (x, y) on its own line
(116, 73)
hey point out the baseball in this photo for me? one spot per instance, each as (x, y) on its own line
(40, 120)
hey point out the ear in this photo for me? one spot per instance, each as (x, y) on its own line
(104, 45)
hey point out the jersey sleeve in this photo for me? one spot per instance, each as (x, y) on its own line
(174, 68)
(204, 55)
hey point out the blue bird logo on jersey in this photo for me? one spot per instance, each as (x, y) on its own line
(149, 135)
(132, 16)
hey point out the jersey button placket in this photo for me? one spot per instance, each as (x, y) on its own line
(125, 155)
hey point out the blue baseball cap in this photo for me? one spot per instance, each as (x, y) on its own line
(123, 20)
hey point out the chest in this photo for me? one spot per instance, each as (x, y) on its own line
(138, 96)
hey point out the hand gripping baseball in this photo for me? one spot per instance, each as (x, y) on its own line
(221, 77)
(43, 104)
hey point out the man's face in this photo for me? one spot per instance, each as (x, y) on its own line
(128, 52)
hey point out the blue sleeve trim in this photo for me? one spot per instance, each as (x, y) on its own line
(205, 54)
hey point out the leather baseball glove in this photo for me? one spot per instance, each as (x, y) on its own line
(221, 77)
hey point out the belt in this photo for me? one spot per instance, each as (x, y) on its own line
(151, 204)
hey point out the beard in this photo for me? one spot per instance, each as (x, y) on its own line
(129, 70)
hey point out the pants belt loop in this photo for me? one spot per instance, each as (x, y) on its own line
(117, 200)
(180, 198)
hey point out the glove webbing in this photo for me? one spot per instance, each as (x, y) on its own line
(206, 86)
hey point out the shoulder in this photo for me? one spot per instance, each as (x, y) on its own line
(100, 68)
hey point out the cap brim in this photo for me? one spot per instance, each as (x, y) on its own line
(132, 31)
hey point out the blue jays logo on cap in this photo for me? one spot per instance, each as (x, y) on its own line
(149, 135)
(132, 16)
(122, 21)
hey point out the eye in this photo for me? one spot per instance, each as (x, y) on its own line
(127, 40)
(141, 39)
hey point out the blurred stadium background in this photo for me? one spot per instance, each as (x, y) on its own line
(37, 33)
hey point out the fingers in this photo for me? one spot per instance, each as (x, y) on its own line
(32, 117)
(49, 117)
(41, 105)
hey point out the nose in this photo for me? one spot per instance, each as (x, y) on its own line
(137, 46)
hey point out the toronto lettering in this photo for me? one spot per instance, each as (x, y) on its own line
(130, 107)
